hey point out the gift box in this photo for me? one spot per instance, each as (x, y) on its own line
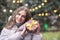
(31, 25)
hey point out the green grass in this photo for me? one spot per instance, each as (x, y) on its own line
(51, 35)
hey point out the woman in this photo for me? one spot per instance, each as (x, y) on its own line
(13, 29)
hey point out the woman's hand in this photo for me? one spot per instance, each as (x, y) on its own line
(23, 31)
(32, 25)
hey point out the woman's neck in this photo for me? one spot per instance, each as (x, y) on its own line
(18, 24)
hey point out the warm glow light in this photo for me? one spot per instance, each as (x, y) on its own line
(33, 9)
(39, 14)
(4, 10)
(42, 4)
(13, 1)
(59, 15)
(36, 7)
(45, 0)
(39, 6)
(10, 11)
(42, 14)
(30, 9)
(55, 11)
(18, 1)
(32, 18)
(26, 4)
(46, 14)
(21, 1)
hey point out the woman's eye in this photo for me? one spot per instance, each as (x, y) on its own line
(18, 14)
(23, 16)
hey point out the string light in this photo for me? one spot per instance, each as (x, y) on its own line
(26, 4)
(42, 4)
(21, 1)
(42, 14)
(39, 14)
(59, 15)
(30, 9)
(46, 14)
(45, 0)
(31, 18)
(33, 9)
(10, 10)
(39, 6)
(4, 10)
(13, 1)
(18, 1)
(36, 8)
(55, 11)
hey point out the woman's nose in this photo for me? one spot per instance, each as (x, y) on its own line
(19, 16)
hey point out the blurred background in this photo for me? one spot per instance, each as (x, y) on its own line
(46, 11)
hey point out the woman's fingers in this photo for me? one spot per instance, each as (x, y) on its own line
(23, 31)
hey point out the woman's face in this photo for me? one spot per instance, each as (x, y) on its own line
(20, 17)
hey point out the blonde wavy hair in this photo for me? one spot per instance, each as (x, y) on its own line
(12, 20)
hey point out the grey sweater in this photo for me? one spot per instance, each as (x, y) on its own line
(7, 34)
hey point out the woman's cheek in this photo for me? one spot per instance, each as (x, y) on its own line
(16, 16)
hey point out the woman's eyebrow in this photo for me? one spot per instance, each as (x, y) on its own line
(23, 15)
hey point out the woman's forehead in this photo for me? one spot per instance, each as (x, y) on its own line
(22, 12)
